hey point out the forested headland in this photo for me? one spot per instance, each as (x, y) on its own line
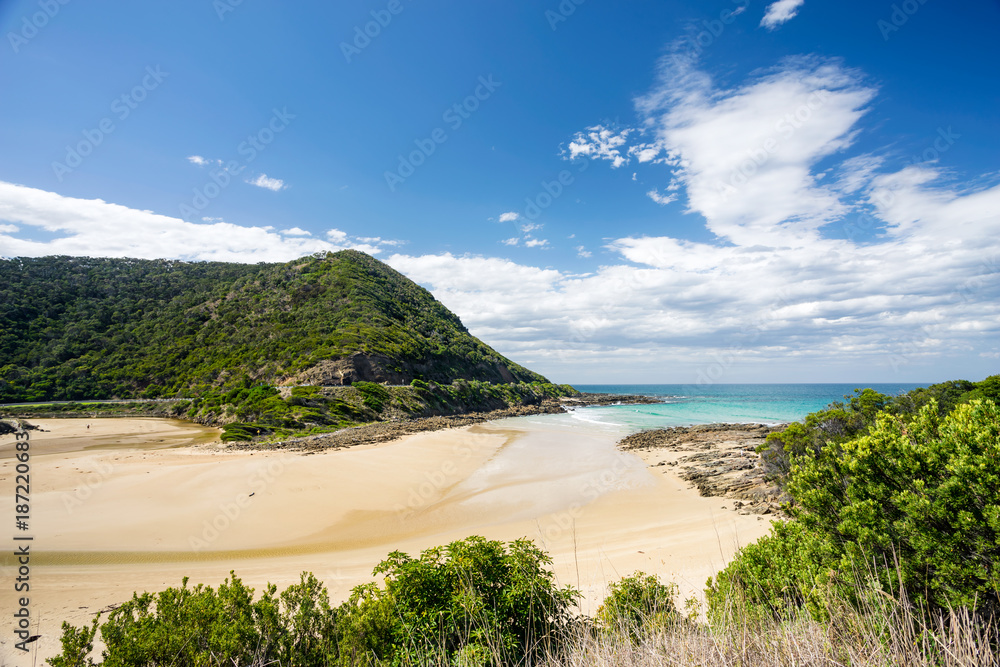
(245, 344)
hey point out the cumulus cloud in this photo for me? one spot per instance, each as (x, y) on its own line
(535, 243)
(599, 142)
(510, 216)
(746, 155)
(780, 12)
(264, 181)
(199, 160)
(296, 231)
(782, 289)
(72, 226)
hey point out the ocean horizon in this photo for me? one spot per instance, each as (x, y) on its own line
(691, 404)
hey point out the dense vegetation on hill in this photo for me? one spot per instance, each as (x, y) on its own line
(85, 328)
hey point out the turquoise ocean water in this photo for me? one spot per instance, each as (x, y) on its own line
(684, 405)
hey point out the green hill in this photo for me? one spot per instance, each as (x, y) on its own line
(86, 328)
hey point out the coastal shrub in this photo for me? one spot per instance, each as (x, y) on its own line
(237, 432)
(471, 598)
(913, 506)
(638, 605)
(845, 420)
(923, 495)
(774, 578)
(190, 626)
(473, 601)
(374, 396)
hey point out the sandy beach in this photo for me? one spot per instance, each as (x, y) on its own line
(136, 504)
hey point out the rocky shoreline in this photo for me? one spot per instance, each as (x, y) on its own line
(718, 459)
(377, 432)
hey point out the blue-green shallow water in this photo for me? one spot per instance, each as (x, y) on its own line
(685, 405)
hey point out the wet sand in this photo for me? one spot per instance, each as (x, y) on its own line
(137, 504)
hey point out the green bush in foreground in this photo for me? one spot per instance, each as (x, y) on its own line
(637, 605)
(473, 601)
(911, 507)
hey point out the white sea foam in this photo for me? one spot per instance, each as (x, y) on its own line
(576, 414)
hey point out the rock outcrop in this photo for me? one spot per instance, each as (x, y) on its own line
(718, 459)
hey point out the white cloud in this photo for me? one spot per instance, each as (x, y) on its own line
(297, 231)
(581, 251)
(511, 241)
(264, 181)
(199, 160)
(510, 216)
(857, 172)
(784, 296)
(93, 227)
(645, 152)
(599, 142)
(779, 12)
(745, 155)
(662, 200)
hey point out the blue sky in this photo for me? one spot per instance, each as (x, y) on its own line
(663, 191)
